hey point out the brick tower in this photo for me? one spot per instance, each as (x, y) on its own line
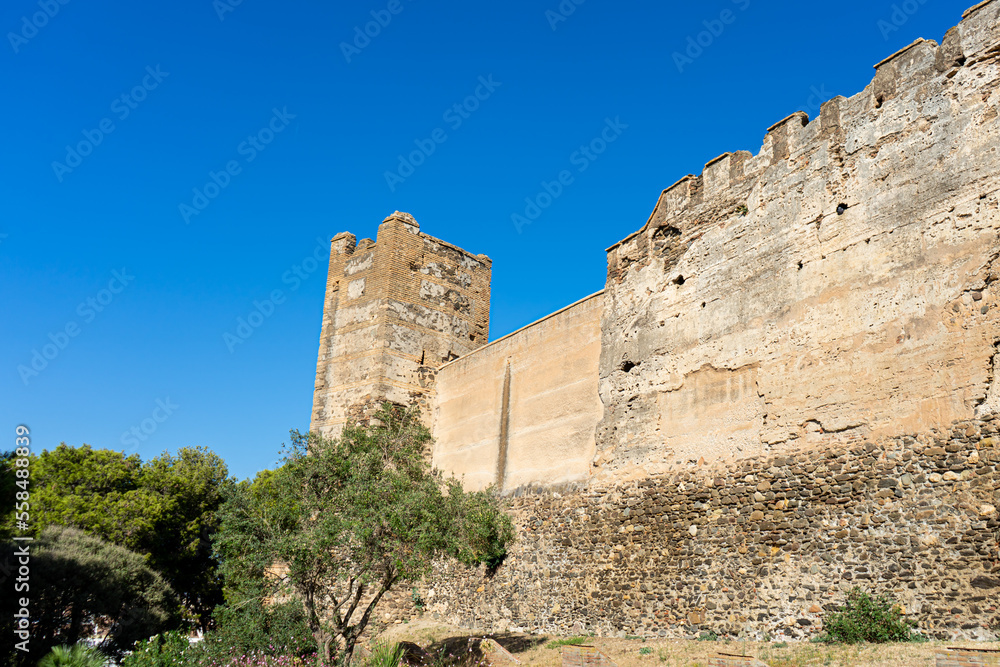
(396, 309)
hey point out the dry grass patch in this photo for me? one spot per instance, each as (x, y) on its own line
(534, 649)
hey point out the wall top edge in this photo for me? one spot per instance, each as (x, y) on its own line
(798, 114)
(689, 177)
(971, 10)
(916, 42)
(480, 257)
(525, 327)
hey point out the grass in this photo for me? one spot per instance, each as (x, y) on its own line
(568, 641)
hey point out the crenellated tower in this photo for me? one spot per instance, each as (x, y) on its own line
(396, 309)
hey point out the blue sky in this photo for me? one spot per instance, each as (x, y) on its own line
(166, 165)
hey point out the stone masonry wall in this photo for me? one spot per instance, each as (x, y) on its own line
(839, 284)
(764, 547)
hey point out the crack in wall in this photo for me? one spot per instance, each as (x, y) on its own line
(991, 397)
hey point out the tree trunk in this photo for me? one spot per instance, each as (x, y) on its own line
(349, 644)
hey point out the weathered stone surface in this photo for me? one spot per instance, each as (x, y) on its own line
(835, 284)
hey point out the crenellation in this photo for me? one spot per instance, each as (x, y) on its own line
(980, 32)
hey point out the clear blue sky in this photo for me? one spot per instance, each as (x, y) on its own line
(183, 92)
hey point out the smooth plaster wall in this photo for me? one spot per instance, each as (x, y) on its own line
(543, 431)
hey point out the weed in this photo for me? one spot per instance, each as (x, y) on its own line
(384, 654)
(418, 601)
(867, 618)
(708, 636)
(645, 650)
(664, 655)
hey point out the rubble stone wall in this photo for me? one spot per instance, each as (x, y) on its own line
(764, 547)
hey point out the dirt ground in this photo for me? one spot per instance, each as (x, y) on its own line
(534, 649)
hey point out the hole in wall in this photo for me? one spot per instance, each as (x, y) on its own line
(841, 208)
(961, 60)
(627, 366)
(703, 304)
(801, 265)
(879, 101)
(679, 280)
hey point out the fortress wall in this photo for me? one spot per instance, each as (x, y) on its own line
(763, 548)
(838, 285)
(523, 409)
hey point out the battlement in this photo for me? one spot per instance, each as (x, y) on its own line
(396, 308)
(725, 190)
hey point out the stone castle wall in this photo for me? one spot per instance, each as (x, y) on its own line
(524, 409)
(764, 547)
(839, 283)
(792, 393)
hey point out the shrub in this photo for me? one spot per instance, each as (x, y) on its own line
(162, 650)
(243, 629)
(867, 618)
(72, 656)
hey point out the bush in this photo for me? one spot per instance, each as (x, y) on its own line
(867, 618)
(244, 629)
(162, 650)
(73, 656)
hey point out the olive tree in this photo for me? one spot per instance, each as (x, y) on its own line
(345, 520)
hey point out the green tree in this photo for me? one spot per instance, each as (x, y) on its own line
(79, 582)
(344, 520)
(165, 509)
(190, 489)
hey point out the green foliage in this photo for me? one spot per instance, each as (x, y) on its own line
(169, 649)
(384, 654)
(867, 618)
(350, 518)
(78, 580)
(708, 636)
(275, 633)
(418, 600)
(72, 656)
(273, 630)
(567, 641)
(645, 650)
(165, 509)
